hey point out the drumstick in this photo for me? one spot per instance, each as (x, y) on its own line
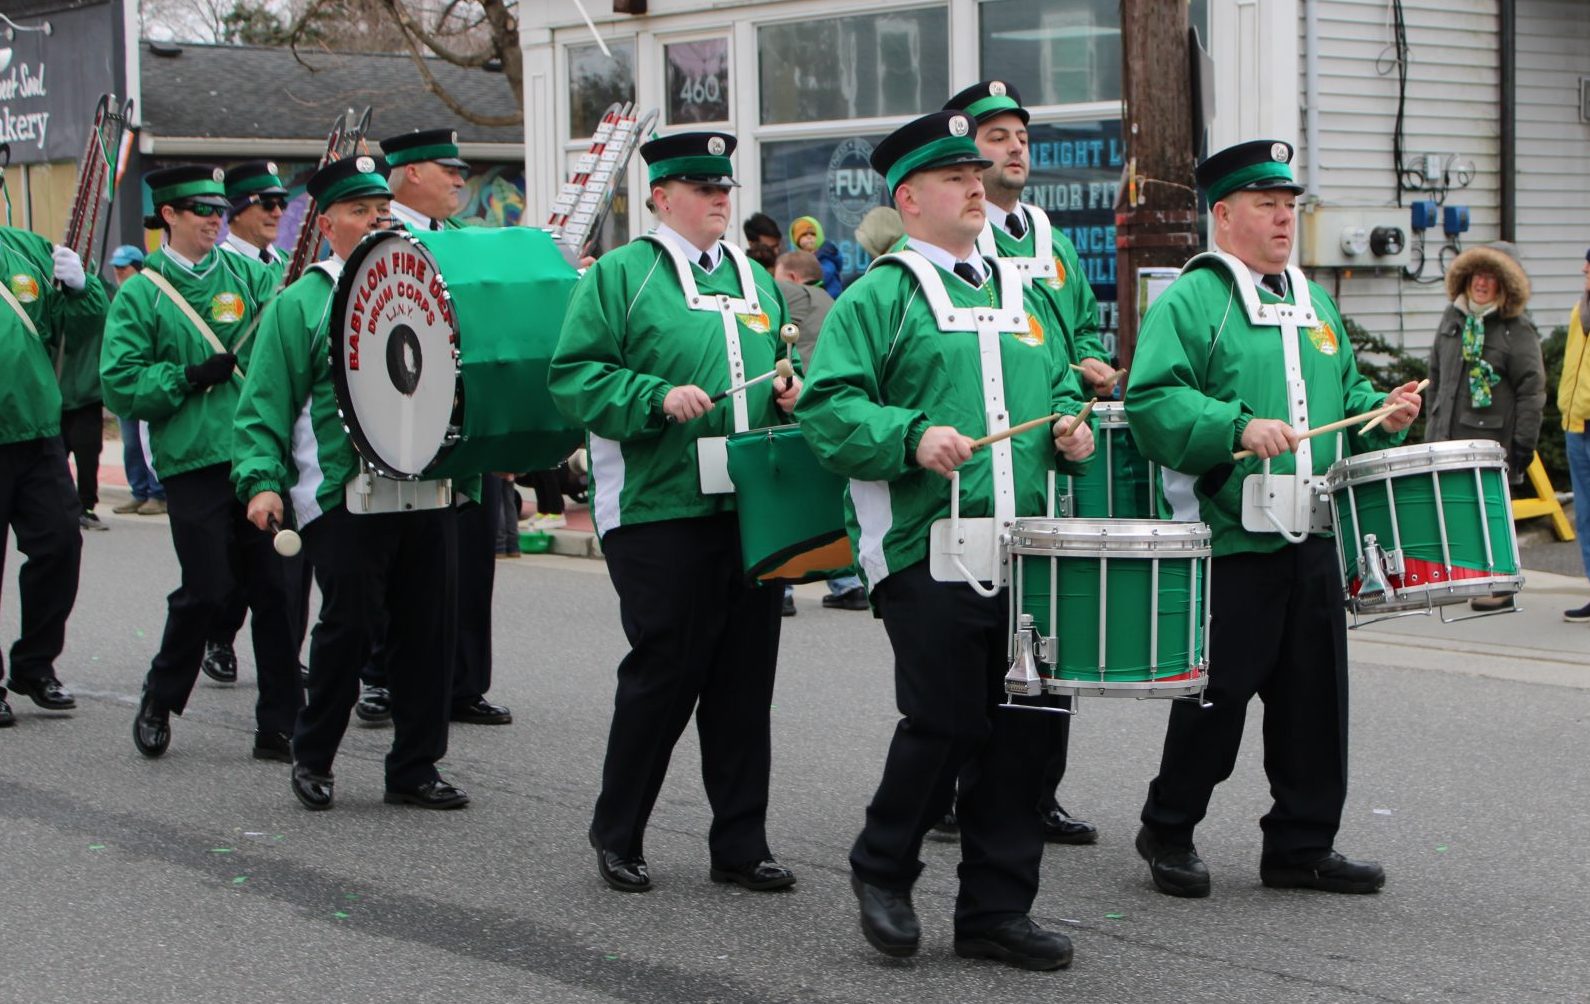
(1380, 412)
(1082, 416)
(287, 542)
(1403, 404)
(783, 368)
(1014, 430)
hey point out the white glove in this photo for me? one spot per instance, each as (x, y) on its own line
(69, 268)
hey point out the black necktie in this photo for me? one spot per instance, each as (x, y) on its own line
(265, 255)
(436, 224)
(1014, 225)
(1275, 284)
(967, 272)
(706, 262)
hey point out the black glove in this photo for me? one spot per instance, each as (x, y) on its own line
(212, 371)
(1518, 462)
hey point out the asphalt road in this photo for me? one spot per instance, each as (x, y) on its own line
(198, 877)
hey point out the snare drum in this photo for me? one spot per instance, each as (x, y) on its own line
(1419, 527)
(792, 509)
(1112, 608)
(1120, 483)
(440, 347)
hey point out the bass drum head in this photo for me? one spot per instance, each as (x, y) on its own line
(393, 359)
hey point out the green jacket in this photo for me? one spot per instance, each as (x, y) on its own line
(1067, 291)
(30, 399)
(886, 373)
(1202, 370)
(149, 343)
(628, 339)
(288, 436)
(78, 359)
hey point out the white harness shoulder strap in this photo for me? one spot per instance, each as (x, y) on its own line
(726, 307)
(1042, 264)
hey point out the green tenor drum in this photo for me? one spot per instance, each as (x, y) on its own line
(791, 509)
(1111, 607)
(1420, 527)
(441, 343)
(1120, 483)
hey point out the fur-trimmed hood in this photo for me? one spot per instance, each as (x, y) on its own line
(1498, 258)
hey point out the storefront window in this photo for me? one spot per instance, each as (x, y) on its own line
(698, 81)
(854, 67)
(1076, 169)
(1055, 51)
(596, 82)
(829, 179)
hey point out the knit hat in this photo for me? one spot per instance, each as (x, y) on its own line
(803, 226)
(1500, 258)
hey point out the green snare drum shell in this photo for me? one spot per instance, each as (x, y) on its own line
(510, 288)
(791, 509)
(1119, 482)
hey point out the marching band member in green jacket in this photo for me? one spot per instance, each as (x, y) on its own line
(291, 443)
(178, 339)
(1243, 353)
(652, 330)
(934, 345)
(37, 499)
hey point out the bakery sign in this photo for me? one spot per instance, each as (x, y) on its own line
(50, 83)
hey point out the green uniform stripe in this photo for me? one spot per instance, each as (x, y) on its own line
(946, 149)
(716, 167)
(436, 151)
(983, 107)
(1270, 170)
(355, 186)
(187, 189)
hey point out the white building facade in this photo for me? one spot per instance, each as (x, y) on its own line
(809, 86)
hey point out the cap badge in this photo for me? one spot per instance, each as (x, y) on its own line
(218, 175)
(1279, 152)
(270, 167)
(997, 88)
(959, 126)
(452, 137)
(716, 146)
(365, 165)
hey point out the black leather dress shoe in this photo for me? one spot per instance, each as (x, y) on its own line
(437, 794)
(1019, 942)
(1331, 873)
(621, 873)
(1060, 827)
(854, 598)
(46, 692)
(7, 719)
(481, 712)
(947, 828)
(311, 789)
(152, 728)
(375, 705)
(888, 921)
(276, 746)
(1177, 871)
(219, 662)
(758, 876)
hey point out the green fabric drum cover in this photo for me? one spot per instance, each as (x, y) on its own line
(440, 347)
(792, 510)
(1442, 517)
(1130, 597)
(1119, 483)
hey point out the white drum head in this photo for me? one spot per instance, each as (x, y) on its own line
(394, 360)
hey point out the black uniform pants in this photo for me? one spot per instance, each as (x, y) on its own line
(1280, 632)
(477, 573)
(297, 579)
(949, 666)
(703, 640)
(402, 564)
(38, 505)
(220, 553)
(83, 432)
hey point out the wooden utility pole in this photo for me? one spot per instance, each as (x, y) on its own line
(1156, 215)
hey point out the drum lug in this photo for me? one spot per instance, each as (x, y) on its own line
(1023, 678)
(1376, 569)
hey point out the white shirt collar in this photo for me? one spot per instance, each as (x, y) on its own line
(997, 217)
(714, 253)
(944, 259)
(171, 253)
(413, 218)
(238, 245)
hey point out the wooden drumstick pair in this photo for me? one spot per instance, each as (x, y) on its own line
(784, 368)
(1071, 426)
(1374, 417)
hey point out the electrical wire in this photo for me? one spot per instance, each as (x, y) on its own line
(1394, 57)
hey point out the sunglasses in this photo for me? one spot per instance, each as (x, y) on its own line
(203, 210)
(269, 202)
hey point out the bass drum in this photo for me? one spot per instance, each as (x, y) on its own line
(440, 344)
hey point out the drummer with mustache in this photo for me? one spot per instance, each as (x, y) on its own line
(1243, 353)
(290, 441)
(653, 330)
(935, 344)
